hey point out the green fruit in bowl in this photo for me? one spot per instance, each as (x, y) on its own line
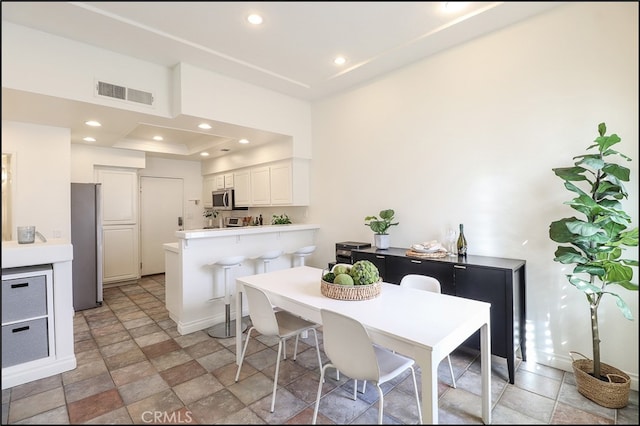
(364, 272)
(329, 277)
(341, 269)
(343, 279)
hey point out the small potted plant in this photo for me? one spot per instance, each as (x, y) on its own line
(380, 227)
(210, 214)
(283, 219)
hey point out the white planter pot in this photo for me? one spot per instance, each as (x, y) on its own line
(381, 241)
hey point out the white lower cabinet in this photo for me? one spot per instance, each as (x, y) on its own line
(27, 315)
(120, 254)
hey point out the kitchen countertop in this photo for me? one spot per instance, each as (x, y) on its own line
(242, 230)
(15, 254)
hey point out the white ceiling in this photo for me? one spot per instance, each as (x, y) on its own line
(292, 53)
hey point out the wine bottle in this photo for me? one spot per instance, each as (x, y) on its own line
(462, 243)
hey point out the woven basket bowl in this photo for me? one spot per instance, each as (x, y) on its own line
(350, 292)
(611, 394)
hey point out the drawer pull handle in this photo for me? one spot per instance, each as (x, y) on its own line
(19, 329)
(417, 261)
(19, 285)
(460, 266)
(379, 257)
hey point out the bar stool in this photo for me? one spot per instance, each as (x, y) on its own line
(268, 257)
(227, 328)
(301, 253)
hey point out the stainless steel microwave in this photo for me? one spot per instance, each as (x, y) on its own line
(224, 199)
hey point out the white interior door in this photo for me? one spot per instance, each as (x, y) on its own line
(161, 206)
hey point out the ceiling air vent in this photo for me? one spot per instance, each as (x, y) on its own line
(139, 96)
(111, 90)
(120, 92)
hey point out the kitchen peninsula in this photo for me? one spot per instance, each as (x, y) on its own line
(194, 289)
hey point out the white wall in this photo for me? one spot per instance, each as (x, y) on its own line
(470, 136)
(41, 192)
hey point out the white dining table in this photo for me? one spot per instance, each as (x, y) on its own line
(423, 325)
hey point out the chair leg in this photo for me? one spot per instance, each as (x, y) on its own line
(355, 389)
(453, 378)
(275, 378)
(315, 334)
(244, 351)
(381, 406)
(295, 348)
(415, 389)
(315, 410)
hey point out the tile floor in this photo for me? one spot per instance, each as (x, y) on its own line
(134, 368)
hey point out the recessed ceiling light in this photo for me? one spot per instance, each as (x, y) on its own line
(204, 126)
(158, 138)
(243, 141)
(254, 19)
(339, 60)
(89, 139)
(93, 123)
(204, 154)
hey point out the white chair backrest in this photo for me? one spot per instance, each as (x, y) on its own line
(421, 282)
(261, 312)
(348, 346)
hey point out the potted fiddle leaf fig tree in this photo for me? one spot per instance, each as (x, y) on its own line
(380, 227)
(595, 244)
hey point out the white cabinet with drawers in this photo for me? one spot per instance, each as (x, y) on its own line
(27, 326)
(37, 311)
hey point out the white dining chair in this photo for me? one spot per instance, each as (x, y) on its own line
(426, 283)
(350, 350)
(280, 324)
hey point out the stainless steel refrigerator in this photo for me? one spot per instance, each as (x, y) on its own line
(86, 238)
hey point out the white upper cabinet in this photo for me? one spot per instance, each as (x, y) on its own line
(119, 196)
(228, 180)
(208, 186)
(219, 179)
(281, 184)
(260, 186)
(242, 188)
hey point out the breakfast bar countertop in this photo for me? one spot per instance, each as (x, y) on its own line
(242, 230)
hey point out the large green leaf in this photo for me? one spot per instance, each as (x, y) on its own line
(584, 285)
(592, 161)
(618, 171)
(569, 255)
(570, 173)
(585, 229)
(605, 142)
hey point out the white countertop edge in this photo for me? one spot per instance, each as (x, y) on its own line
(244, 230)
(37, 253)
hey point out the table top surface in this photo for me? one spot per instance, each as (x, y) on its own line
(403, 313)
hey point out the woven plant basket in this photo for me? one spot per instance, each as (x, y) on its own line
(350, 292)
(611, 394)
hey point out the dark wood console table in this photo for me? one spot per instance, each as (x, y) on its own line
(499, 281)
